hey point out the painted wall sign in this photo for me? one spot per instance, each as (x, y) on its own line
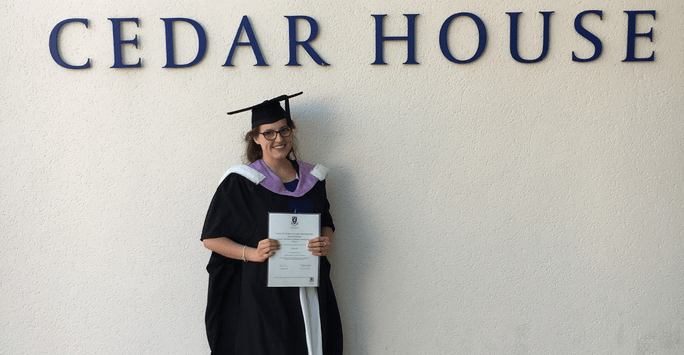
(380, 39)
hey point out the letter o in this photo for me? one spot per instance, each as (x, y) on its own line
(444, 45)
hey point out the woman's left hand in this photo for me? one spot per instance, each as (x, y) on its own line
(319, 246)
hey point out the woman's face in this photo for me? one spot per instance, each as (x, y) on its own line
(277, 148)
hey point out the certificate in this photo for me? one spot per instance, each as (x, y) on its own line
(293, 265)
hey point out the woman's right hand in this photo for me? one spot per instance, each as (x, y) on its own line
(264, 250)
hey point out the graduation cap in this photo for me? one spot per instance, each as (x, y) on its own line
(270, 111)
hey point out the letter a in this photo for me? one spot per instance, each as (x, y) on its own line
(252, 43)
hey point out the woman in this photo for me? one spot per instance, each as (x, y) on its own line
(243, 315)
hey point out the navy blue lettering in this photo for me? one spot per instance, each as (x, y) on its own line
(482, 43)
(54, 45)
(380, 39)
(598, 46)
(292, 20)
(632, 35)
(201, 36)
(118, 42)
(244, 24)
(514, 37)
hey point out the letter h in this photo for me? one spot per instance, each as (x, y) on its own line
(380, 39)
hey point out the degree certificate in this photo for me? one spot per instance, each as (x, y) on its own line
(293, 265)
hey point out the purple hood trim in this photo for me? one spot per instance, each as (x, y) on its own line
(274, 184)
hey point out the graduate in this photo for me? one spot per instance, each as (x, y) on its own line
(244, 316)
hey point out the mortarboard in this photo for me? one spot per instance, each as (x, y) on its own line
(270, 111)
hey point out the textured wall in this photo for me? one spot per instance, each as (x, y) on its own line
(488, 208)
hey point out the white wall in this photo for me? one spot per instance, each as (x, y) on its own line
(489, 208)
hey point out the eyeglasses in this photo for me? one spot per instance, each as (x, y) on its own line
(271, 135)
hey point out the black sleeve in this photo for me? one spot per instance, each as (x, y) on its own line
(229, 213)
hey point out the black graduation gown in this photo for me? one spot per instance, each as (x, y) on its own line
(243, 316)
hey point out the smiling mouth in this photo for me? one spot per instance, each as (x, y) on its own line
(279, 147)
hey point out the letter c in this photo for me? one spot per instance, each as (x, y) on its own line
(54, 48)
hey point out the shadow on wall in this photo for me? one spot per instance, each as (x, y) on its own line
(354, 249)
